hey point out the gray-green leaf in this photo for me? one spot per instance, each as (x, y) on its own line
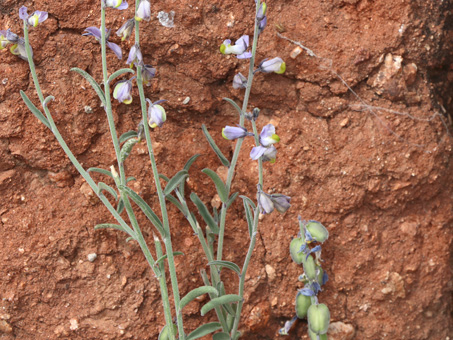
(220, 186)
(204, 330)
(38, 114)
(214, 146)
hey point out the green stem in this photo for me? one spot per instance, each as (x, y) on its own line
(244, 272)
(164, 290)
(167, 238)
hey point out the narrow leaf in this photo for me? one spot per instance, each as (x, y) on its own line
(47, 100)
(204, 330)
(163, 257)
(221, 336)
(108, 225)
(193, 294)
(225, 299)
(38, 114)
(249, 217)
(175, 181)
(131, 178)
(245, 198)
(205, 213)
(145, 208)
(187, 167)
(231, 199)
(214, 147)
(173, 200)
(127, 135)
(165, 332)
(101, 171)
(165, 178)
(119, 73)
(120, 206)
(220, 186)
(233, 103)
(230, 265)
(102, 186)
(92, 82)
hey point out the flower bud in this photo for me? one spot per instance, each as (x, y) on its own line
(276, 65)
(125, 31)
(302, 304)
(294, 249)
(309, 267)
(122, 91)
(318, 318)
(317, 231)
(156, 114)
(239, 81)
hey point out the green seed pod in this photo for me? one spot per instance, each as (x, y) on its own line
(313, 335)
(309, 267)
(294, 248)
(318, 318)
(317, 231)
(302, 304)
(165, 334)
(127, 148)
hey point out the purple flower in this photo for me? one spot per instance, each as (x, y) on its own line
(18, 47)
(262, 24)
(33, 20)
(232, 133)
(96, 33)
(148, 73)
(261, 12)
(239, 81)
(239, 48)
(267, 203)
(135, 56)
(125, 31)
(269, 155)
(276, 65)
(156, 114)
(268, 136)
(118, 4)
(122, 91)
(143, 11)
(3, 40)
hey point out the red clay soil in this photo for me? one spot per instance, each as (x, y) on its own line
(380, 181)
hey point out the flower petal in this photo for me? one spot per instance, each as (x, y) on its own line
(116, 49)
(257, 152)
(23, 13)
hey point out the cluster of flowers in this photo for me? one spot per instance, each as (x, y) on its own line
(314, 277)
(266, 150)
(18, 44)
(123, 89)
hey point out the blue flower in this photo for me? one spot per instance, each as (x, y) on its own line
(125, 31)
(33, 20)
(232, 133)
(267, 138)
(239, 48)
(143, 11)
(18, 47)
(148, 73)
(156, 114)
(135, 56)
(96, 33)
(122, 91)
(118, 4)
(267, 203)
(276, 65)
(3, 40)
(239, 81)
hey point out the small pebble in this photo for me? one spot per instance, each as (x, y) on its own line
(186, 100)
(92, 257)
